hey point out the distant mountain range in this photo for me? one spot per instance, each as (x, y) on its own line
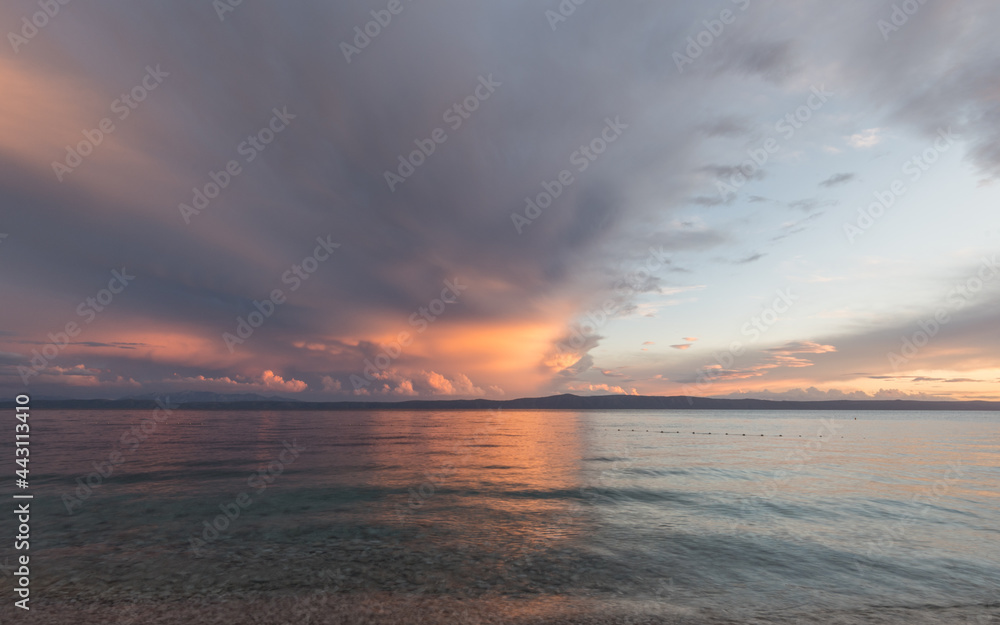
(216, 401)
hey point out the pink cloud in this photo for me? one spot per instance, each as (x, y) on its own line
(268, 380)
(802, 347)
(617, 390)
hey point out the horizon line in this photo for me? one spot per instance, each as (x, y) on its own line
(669, 402)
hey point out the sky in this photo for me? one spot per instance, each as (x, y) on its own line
(438, 198)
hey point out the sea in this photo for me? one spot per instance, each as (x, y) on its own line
(509, 516)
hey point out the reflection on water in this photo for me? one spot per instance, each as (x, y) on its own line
(716, 514)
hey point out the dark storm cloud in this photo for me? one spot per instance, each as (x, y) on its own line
(549, 95)
(325, 174)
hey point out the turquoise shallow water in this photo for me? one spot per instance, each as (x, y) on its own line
(721, 515)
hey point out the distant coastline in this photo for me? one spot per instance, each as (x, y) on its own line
(556, 402)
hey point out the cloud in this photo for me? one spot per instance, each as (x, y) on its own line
(459, 385)
(682, 346)
(11, 358)
(773, 61)
(597, 388)
(802, 347)
(921, 378)
(797, 226)
(276, 382)
(810, 204)
(325, 175)
(958, 363)
(814, 394)
(268, 380)
(708, 200)
(865, 139)
(727, 172)
(393, 382)
(837, 179)
(694, 238)
(750, 259)
(764, 363)
(728, 126)
(327, 172)
(78, 370)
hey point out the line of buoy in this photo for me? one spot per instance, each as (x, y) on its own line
(710, 433)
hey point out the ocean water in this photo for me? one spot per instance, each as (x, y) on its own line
(516, 516)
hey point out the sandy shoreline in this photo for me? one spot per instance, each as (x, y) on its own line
(378, 608)
(374, 582)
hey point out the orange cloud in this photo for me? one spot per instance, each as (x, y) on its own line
(802, 347)
(515, 356)
(394, 382)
